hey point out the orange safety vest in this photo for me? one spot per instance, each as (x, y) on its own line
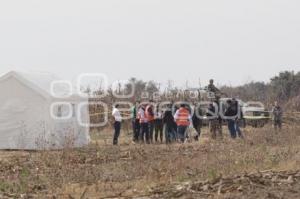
(149, 116)
(183, 117)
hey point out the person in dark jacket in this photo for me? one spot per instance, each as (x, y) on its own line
(197, 122)
(277, 116)
(135, 121)
(239, 118)
(169, 125)
(231, 114)
(158, 124)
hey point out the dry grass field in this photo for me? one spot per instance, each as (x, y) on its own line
(266, 164)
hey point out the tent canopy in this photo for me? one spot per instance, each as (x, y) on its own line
(25, 117)
(46, 84)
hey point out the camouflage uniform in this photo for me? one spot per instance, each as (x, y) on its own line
(215, 123)
(215, 126)
(213, 89)
(277, 117)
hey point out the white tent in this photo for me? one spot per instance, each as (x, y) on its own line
(33, 118)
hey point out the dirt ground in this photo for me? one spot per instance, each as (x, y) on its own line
(266, 164)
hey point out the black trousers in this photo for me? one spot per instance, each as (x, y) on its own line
(158, 127)
(117, 126)
(144, 133)
(151, 130)
(277, 124)
(170, 133)
(136, 129)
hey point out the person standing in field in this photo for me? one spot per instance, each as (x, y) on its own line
(239, 118)
(135, 122)
(215, 121)
(150, 117)
(158, 124)
(277, 116)
(169, 125)
(197, 122)
(144, 126)
(231, 112)
(183, 121)
(117, 124)
(213, 89)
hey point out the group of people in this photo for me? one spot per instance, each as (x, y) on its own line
(150, 123)
(153, 123)
(232, 114)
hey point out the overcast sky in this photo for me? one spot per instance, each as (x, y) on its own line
(232, 41)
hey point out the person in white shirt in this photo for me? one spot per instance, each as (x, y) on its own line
(117, 125)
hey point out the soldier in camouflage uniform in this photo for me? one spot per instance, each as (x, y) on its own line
(277, 115)
(215, 123)
(213, 89)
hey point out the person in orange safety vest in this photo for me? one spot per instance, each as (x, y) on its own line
(183, 120)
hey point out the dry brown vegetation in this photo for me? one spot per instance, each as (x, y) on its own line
(192, 170)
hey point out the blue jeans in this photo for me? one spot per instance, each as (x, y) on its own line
(158, 128)
(151, 130)
(170, 133)
(117, 126)
(231, 128)
(237, 128)
(181, 132)
(144, 132)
